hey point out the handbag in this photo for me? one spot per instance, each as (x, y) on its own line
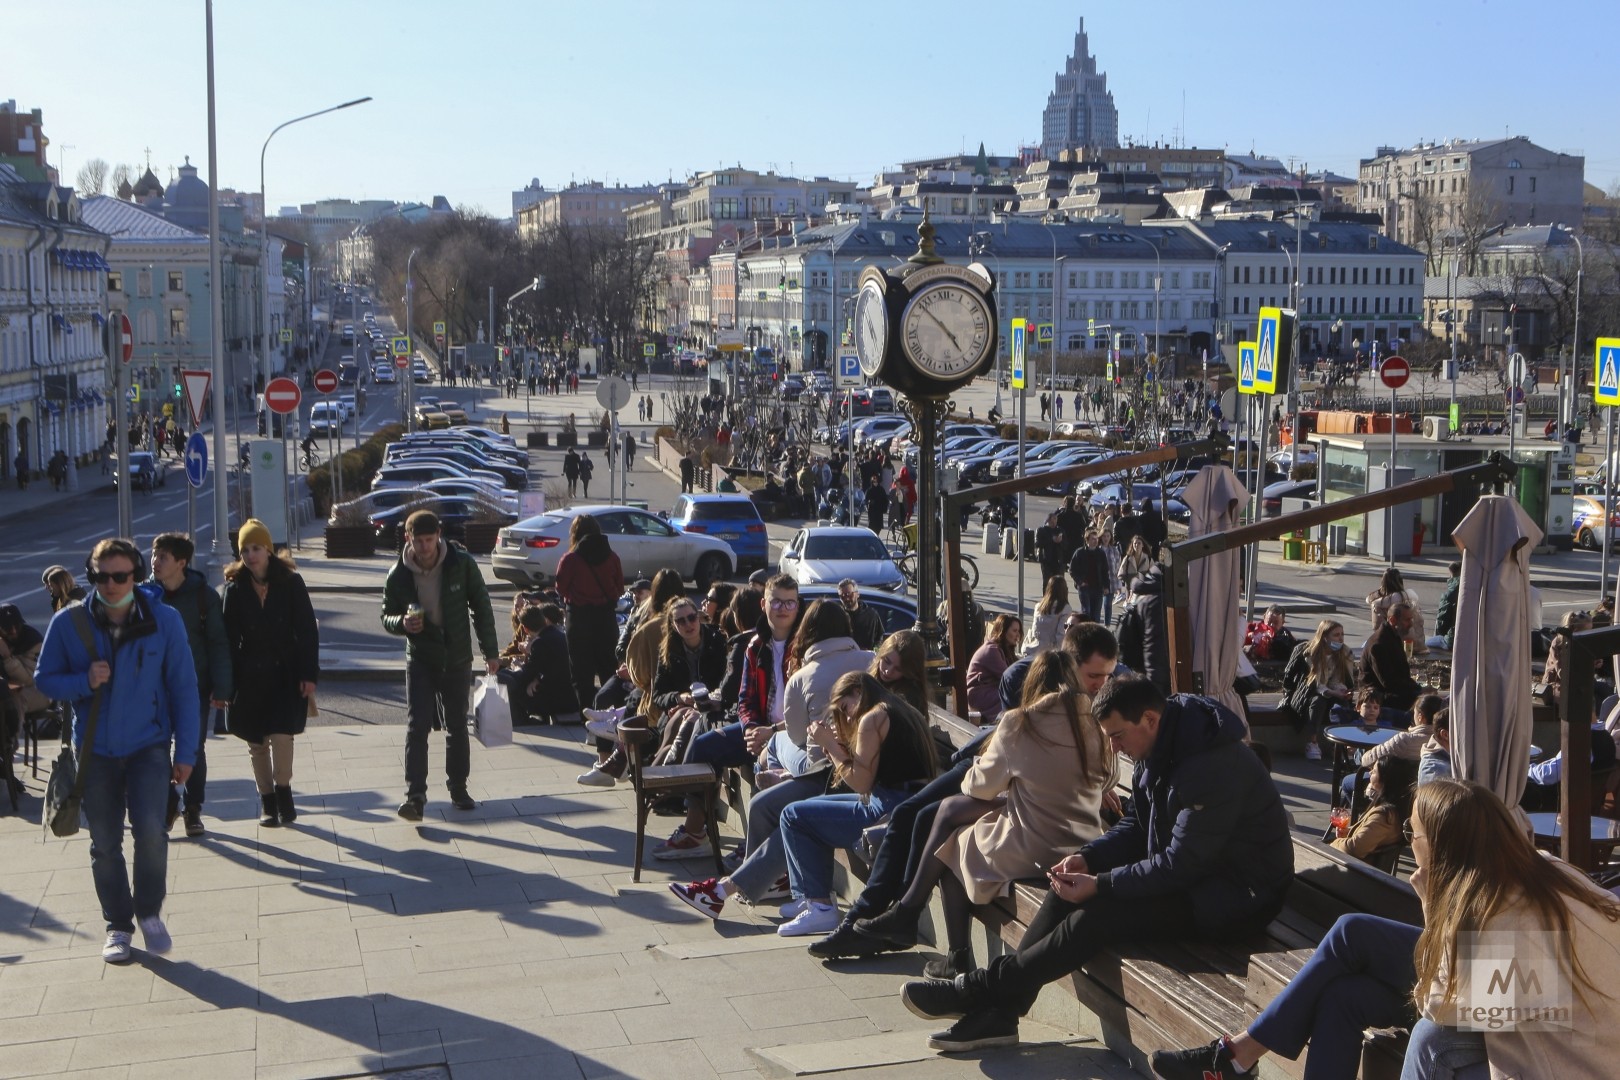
(492, 714)
(64, 793)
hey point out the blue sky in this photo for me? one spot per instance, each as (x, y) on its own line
(474, 99)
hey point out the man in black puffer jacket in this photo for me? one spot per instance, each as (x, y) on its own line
(1203, 850)
(1144, 639)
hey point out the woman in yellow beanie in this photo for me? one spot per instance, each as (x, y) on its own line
(275, 652)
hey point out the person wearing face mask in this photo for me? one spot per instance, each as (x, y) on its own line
(123, 661)
(275, 663)
(1318, 676)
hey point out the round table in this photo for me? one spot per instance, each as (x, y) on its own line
(1548, 827)
(1347, 739)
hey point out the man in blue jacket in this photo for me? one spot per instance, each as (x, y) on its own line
(1203, 849)
(124, 656)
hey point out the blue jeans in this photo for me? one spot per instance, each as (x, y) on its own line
(813, 829)
(720, 749)
(140, 784)
(1360, 976)
(767, 859)
(1441, 1053)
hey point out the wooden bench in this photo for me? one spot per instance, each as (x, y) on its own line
(1169, 994)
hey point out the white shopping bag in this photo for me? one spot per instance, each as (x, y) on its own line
(492, 715)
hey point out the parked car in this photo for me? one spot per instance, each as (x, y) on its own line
(882, 400)
(326, 417)
(456, 486)
(374, 501)
(1173, 510)
(732, 518)
(147, 471)
(418, 471)
(898, 610)
(513, 476)
(1272, 497)
(1588, 528)
(826, 554)
(528, 551)
(455, 513)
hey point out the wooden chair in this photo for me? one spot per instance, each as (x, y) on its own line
(655, 782)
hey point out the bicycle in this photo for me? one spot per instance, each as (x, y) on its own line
(312, 458)
(904, 554)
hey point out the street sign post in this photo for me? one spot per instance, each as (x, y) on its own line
(649, 350)
(326, 380)
(849, 371)
(438, 331)
(1020, 338)
(1606, 391)
(196, 459)
(613, 394)
(126, 337)
(402, 346)
(1043, 333)
(1394, 372)
(286, 335)
(196, 384)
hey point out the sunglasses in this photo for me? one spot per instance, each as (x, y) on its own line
(686, 620)
(711, 599)
(1406, 830)
(117, 577)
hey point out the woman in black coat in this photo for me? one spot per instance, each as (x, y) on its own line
(693, 652)
(275, 658)
(544, 683)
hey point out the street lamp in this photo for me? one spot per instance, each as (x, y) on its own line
(1568, 400)
(264, 222)
(979, 244)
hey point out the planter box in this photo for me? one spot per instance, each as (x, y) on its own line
(567, 438)
(481, 537)
(539, 439)
(596, 438)
(350, 542)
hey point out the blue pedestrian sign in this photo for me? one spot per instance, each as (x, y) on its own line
(1606, 380)
(1265, 350)
(196, 459)
(849, 370)
(1043, 333)
(1020, 344)
(1246, 351)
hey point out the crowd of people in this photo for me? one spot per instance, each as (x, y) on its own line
(827, 718)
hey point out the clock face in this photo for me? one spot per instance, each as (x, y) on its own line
(947, 330)
(871, 327)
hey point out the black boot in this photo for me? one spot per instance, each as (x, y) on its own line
(847, 943)
(897, 926)
(272, 815)
(284, 803)
(956, 962)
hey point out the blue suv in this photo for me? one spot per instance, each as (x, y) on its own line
(732, 518)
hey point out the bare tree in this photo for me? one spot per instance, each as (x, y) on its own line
(92, 177)
(121, 175)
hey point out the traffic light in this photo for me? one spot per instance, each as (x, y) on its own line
(177, 390)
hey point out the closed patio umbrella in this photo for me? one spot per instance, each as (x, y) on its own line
(1215, 498)
(1491, 710)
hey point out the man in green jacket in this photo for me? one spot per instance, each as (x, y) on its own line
(429, 595)
(186, 590)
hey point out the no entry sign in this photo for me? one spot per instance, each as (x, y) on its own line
(326, 380)
(1394, 372)
(282, 396)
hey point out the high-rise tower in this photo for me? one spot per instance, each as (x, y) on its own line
(1080, 110)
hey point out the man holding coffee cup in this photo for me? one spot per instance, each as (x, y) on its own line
(428, 598)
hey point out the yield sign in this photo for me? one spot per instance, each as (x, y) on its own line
(196, 383)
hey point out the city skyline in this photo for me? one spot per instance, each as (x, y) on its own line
(453, 115)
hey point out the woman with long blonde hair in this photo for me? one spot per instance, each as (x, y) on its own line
(1318, 676)
(1049, 615)
(1494, 910)
(1037, 787)
(900, 663)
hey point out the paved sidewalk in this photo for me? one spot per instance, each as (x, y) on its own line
(503, 942)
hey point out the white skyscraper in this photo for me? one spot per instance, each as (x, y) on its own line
(1080, 110)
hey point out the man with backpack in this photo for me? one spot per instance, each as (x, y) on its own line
(186, 591)
(123, 662)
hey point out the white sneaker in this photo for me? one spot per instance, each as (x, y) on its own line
(117, 950)
(155, 935)
(595, 778)
(602, 726)
(793, 909)
(603, 714)
(1313, 752)
(817, 919)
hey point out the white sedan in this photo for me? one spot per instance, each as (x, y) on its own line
(827, 554)
(527, 553)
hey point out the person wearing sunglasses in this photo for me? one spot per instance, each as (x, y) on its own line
(123, 658)
(691, 664)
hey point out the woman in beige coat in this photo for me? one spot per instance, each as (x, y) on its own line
(1040, 781)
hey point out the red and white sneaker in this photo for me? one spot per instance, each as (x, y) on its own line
(702, 896)
(680, 845)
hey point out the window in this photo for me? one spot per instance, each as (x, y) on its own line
(1077, 342)
(143, 284)
(115, 281)
(1510, 184)
(1273, 275)
(1043, 308)
(1021, 279)
(177, 281)
(1105, 279)
(1107, 309)
(1074, 309)
(1175, 279)
(1246, 275)
(177, 323)
(1043, 280)
(846, 280)
(1175, 310)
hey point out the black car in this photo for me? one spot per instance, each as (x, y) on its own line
(899, 612)
(454, 515)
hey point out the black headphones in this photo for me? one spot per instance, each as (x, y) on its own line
(117, 547)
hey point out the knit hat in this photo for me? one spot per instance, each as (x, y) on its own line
(254, 531)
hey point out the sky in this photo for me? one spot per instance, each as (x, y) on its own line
(473, 100)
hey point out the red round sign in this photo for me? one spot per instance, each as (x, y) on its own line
(1394, 371)
(402, 361)
(326, 380)
(282, 396)
(126, 334)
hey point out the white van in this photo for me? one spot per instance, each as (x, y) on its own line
(326, 416)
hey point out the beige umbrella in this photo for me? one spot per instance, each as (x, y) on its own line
(1490, 662)
(1215, 498)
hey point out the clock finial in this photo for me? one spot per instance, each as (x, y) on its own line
(925, 256)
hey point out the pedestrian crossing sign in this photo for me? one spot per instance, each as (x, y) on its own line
(1267, 335)
(1043, 333)
(1020, 335)
(1246, 366)
(1606, 380)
